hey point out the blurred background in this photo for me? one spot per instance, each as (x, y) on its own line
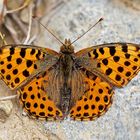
(69, 19)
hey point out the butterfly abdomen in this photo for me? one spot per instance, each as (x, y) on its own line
(66, 64)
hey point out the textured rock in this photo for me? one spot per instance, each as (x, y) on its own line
(122, 121)
(6, 106)
(5, 110)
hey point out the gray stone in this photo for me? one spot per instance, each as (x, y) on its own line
(5, 110)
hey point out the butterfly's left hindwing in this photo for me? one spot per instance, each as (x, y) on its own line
(96, 100)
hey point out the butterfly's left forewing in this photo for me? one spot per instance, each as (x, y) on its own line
(115, 62)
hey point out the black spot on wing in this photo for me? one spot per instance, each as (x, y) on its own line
(29, 63)
(38, 54)
(136, 59)
(50, 108)
(19, 61)
(108, 71)
(9, 58)
(105, 61)
(89, 54)
(8, 77)
(127, 55)
(32, 52)
(2, 71)
(35, 66)
(128, 73)
(1, 62)
(17, 80)
(112, 51)
(28, 105)
(12, 50)
(124, 48)
(116, 58)
(86, 114)
(118, 77)
(30, 88)
(26, 73)
(100, 107)
(42, 106)
(127, 63)
(9, 66)
(120, 69)
(42, 114)
(101, 50)
(15, 71)
(98, 65)
(24, 95)
(23, 52)
(95, 53)
(134, 67)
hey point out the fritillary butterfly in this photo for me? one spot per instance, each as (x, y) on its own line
(52, 85)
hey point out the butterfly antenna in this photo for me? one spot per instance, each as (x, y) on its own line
(50, 32)
(87, 30)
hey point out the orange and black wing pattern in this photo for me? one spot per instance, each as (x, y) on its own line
(104, 67)
(96, 100)
(118, 62)
(24, 68)
(35, 100)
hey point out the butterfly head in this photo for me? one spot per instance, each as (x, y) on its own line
(67, 48)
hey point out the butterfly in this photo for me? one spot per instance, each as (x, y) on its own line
(52, 85)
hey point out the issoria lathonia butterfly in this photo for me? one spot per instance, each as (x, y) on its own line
(53, 85)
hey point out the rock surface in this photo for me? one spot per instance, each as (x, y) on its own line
(122, 121)
(5, 110)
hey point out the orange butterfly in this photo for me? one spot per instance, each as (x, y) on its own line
(52, 85)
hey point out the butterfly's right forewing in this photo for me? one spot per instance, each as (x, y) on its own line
(18, 63)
